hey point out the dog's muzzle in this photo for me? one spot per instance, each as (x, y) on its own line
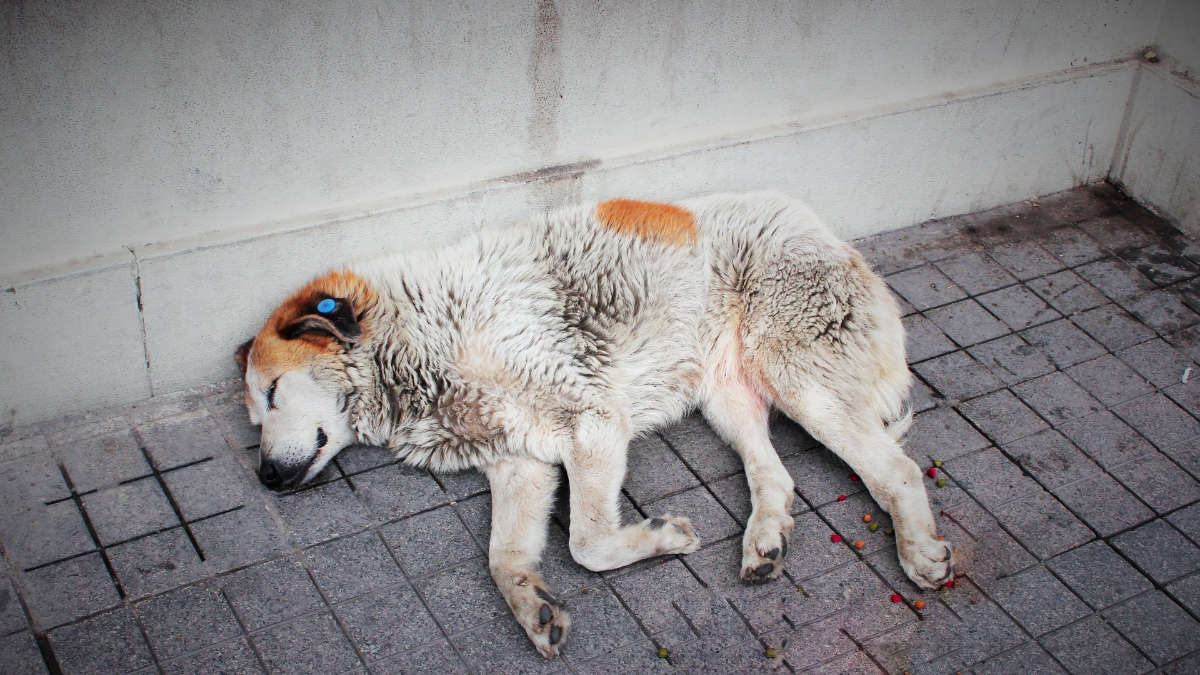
(281, 476)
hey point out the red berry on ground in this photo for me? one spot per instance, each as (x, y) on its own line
(948, 584)
(896, 597)
(841, 498)
(932, 472)
(835, 538)
(854, 476)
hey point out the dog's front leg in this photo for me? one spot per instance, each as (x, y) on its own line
(522, 496)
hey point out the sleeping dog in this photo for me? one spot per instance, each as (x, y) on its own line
(558, 341)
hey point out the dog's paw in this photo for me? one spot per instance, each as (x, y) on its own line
(928, 562)
(672, 534)
(765, 545)
(543, 616)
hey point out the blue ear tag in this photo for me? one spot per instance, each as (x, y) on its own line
(326, 306)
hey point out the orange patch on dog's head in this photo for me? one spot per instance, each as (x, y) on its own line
(665, 223)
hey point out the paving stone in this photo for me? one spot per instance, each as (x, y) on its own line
(1092, 646)
(1109, 380)
(819, 476)
(1158, 626)
(846, 517)
(762, 605)
(655, 471)
(1002, 416)
(600, 624)
(210, 487)
(1012, 359)
(1158, 482)
(359, 458)
(1072, 206)
(349, 567)
(925, 287)
(854, 662)
(1187, 520)
(1025, 259)
(558, 567)
(12, 616)
(852, 586)
(1098, 574)
(389, 622)
(1065, 344)
(42, 534)
(502, 647)
(1106, 439)
(20, 445)
(1028, 658)
(957, 376)
(655, 593)
(67, 590)
(789, 438)
(1067, 292)
(942, 434)
(701, 449)
(103, 461)
(232, 657)
(1159, 419)
(181, 439)
(1187, 341)
(1056, 398)
(1112, 327)
(462, 597)
(186, 620)
(711, 520)
(1160, 264)
(396, 490)
(1052, 459)
(1159, 550)
(19, 653)
(1156, 361)
(1043, 525)
(1161, 310)
(331, 510)
(1104, 504)
(1072, 246)
(126, 511)
(1038, 601)
(109, 642)
(924, 339)
(476, 514)
(985, 630)
(975, 272)
(157, 562)
(438, 658)
(1115, 278)
(1187, 396)
(311, 643)
(1116, 233)
(247, 535)
(430, 541)
(1186, 665)
(889, 252)
(66, 430)
(939, 239)
(911, 646)
(923, 398)
(967, 322)
(991, 478)
(1018, 307)
(271, 592)
(1186, 591)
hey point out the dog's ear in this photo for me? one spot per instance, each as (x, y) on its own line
(242, 355)
(326, 317)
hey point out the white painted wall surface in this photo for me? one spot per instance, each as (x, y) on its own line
(208, 157)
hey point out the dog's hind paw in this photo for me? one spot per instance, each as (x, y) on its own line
(672, 535)
(545, 620)
(765, 545)
(928, 563)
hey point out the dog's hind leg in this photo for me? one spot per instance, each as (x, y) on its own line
(596, 468)
(522, 496)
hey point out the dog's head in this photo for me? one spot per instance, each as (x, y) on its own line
(295, 372)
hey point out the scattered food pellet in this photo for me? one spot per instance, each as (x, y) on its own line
(854, 477)
(937, 463)
(919, 604)
(835, 538)
(941, 537)
(771, 653)
(888, 530)
(948, 584)
(896, 597)
(866, 517)
(860, 544)
(941, 482)
(662, 652)
(932, 472)
(841, 498)
(873, 526)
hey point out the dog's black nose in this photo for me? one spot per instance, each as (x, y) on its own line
(268, 473)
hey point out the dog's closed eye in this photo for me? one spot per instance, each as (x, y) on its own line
(271, 394)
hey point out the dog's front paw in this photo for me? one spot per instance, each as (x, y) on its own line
(928, 562)
(543, 616)
(672, 534)
(765, 545)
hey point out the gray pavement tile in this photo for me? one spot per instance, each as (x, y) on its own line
(1189, 291)
(846, 517)
(359, 458)
(438, 658)
(1043, 525)
(1002, 416)
(923, 339)
(1072, 206)
(1158, 482)
(1067, 292)
(903, 305)
(102, 461)
(1025, 259)
(942, 434)
(388, 622)
(63, 431)
(1161, 310)
(1104, 504)
(1028, 658)
(990, 557)
(67, 590)
(126, 511)
(19, 653)
(331, 510)
(975, 272)
(1157, 361)
(1018, 307)
(1159, 419)
(1187, 520)
(855, 588)
(309, 644)
(349, 567)
(967, 322)
(1116, 233)
(911, 646)
(108, 643)
(1158, 626)
(558, 567)
(1072, 246)
(939, 239)
(156, 563)
(889, 252)
(762, 605)
(1092, 646)
(655, 471)
(1098, 574)
(788, 437)
(476, 514)
(396, 490)
(41, 534)
(1012, 359)
(1187, 665)
(985, 629)
(701, 449)
(957, 376)
(210, 487)
(232, 657)
(991, 478)
(819, 476)
(1159, 551)
(186, 620)
(630, 658)
(1106, 439)
(463, 484)
(1187, 395)
(181, 439)
(1115, 278)
(734, 494)
(21, 445)
(462, 597)
(12, 615)
(923, 398)
(232, 422)
(1053, 460)
(600, 624)
(1038, 601)
(1109, 380)
(854, 662)
(1160, 264)
(711, 520)
(1113, 327)
(430, 541)
(1056, 398)
(502, 647)
(270, 592)
(244, 536)
(1186, 592)
(925, 287)
(656, 594)
(1065, 344)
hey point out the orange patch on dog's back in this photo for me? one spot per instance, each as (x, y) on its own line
(665, 223)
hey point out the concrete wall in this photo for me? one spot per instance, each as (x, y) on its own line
(168, 170)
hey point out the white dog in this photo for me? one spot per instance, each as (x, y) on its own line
(559, 341)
